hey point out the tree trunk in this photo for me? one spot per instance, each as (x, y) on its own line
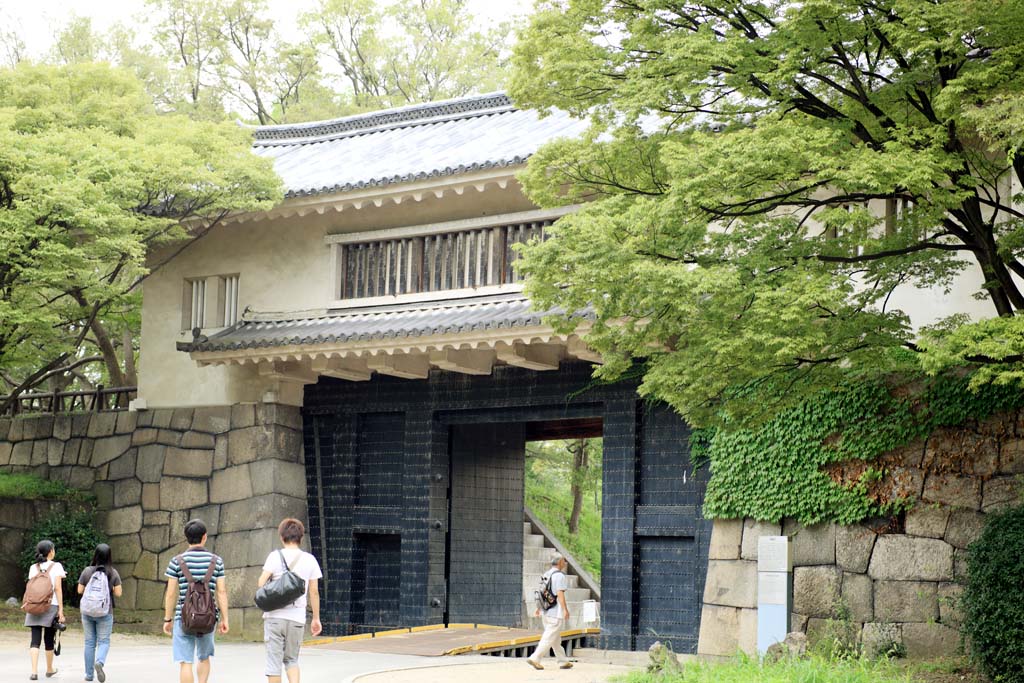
(579, 471)
(128, 351)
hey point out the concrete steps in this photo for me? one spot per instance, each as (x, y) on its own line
(536, 561)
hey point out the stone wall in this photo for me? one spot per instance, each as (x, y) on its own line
(898, 578)
(16, 518)
(238, 468)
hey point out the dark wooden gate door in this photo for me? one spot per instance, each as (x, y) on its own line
(485, 524)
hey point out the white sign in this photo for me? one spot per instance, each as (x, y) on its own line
(772, 588)
(774, 554)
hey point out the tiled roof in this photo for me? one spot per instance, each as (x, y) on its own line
(379, 322)
(408, 143)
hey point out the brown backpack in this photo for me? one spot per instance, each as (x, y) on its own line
(38, 592)
(198, 610)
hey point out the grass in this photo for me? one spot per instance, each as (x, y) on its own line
(548, 495)
(128, 621)
(29, 487)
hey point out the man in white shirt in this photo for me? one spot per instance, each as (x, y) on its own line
(283, 628)
(554, 617)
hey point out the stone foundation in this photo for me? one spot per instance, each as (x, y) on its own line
(238, 468)
(897, 579)
(17, 517)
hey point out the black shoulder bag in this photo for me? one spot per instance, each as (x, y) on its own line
(282, 591)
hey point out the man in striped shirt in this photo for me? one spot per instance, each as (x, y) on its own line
(186, 647)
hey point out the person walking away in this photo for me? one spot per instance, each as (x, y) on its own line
(98, 585)
(198, 563)
(555, 613)
(44, 605)
(283, 628)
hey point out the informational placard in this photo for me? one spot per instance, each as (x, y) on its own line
(774, 590)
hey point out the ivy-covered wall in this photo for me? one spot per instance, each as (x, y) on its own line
(864, 450)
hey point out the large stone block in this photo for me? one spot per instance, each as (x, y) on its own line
(150, 497)
(180, 462)
(277, 414)
(61, 427)
(964, 528)
(127, 492)
(853, 547)
(1011, 456)
(168, 437)
(726, 631)
(125, 550)
(927, 520)
(85, 452)
(816, 590)
(753, 530)
(177, 493)
(261, 543)
(881, 639)
(106, 449)
(960, 564)
(243, 415)
(220, 452)
(233, 483)
(907, 558)
(278, 476)
(150, 465)
(261, 512)
(210, 515)
(54, 452)
(164, 559)
(104, 492)
(726, 537)
(244, 444)
(156, 538)
(150, 594)
(21, 454)
(82, 478)
(72, 450)
(5, 429)
(39, 453)
(181, 419)
(16, 432)
(252, 624)
(6, 449)
(930, 640)
(812, 545)
(145, 566)
(156, 518)
(80, 424)
(1000, 493)
(123, 466)
(233, 547)
(122, 520)
(143, 436)
(102, 424)
(731, 583)
(952, 490)
(858, 596)
(197, 440)
(906, 601)
(39, 427)
(161, 418)
(242, 586)
(129, 586)
(127, 421)
(212, 420)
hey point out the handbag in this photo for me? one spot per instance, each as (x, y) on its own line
(282, 591)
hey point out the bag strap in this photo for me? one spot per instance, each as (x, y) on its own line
(210, 568)
(284, 562)
(183, 566)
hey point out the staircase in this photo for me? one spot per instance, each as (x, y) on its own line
(537, 552)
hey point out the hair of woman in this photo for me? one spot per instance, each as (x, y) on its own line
(43, 550)
(101, 557)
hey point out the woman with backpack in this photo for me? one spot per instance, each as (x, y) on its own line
(44, 605)
(98, 585)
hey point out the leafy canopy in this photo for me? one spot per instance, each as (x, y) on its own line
(767, 176)
(90, 179)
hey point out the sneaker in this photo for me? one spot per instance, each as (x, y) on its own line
(535, 665)
(565, 665)
(101, 675)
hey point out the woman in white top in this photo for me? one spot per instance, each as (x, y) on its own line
(42, 626)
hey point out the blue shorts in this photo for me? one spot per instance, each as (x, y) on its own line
(188, 648)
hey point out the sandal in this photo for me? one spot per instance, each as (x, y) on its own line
(33, 677)
(51, 674)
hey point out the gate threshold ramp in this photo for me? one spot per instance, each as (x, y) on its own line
(455, 639)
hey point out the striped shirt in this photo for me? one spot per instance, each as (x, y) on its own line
(198, 560)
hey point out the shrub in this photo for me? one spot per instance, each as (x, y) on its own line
(75, 536)
(811, 670)
(30, 487)
(993, 599)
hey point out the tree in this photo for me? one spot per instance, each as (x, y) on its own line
(765, 175)
(91, 179)
(407, 52)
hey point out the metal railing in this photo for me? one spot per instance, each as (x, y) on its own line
(101, 398)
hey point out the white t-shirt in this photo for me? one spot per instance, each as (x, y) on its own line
(558, 583)
(56, 572)
(301, 563)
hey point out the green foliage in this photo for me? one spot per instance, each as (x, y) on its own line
(992, 601)
(30, 487)
(775, 469)
(811, 670)
(74, 536)
(839, 638)
(740, 162)
(548, 493)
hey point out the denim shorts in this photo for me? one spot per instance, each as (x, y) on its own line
(187, 648)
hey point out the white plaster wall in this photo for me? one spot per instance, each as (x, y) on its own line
(283, 265)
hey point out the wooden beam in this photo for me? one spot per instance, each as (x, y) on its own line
(578, 349)
(403, 365)
(348, 369)
(466, 361)
(538, 357)
(286, 372)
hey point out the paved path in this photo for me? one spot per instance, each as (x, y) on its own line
(147, 659)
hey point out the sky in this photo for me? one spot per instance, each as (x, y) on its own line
(37, 20)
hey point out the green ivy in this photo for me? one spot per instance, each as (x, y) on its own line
(776, 469)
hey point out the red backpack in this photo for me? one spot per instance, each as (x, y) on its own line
(198, 610)
(38, 592)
